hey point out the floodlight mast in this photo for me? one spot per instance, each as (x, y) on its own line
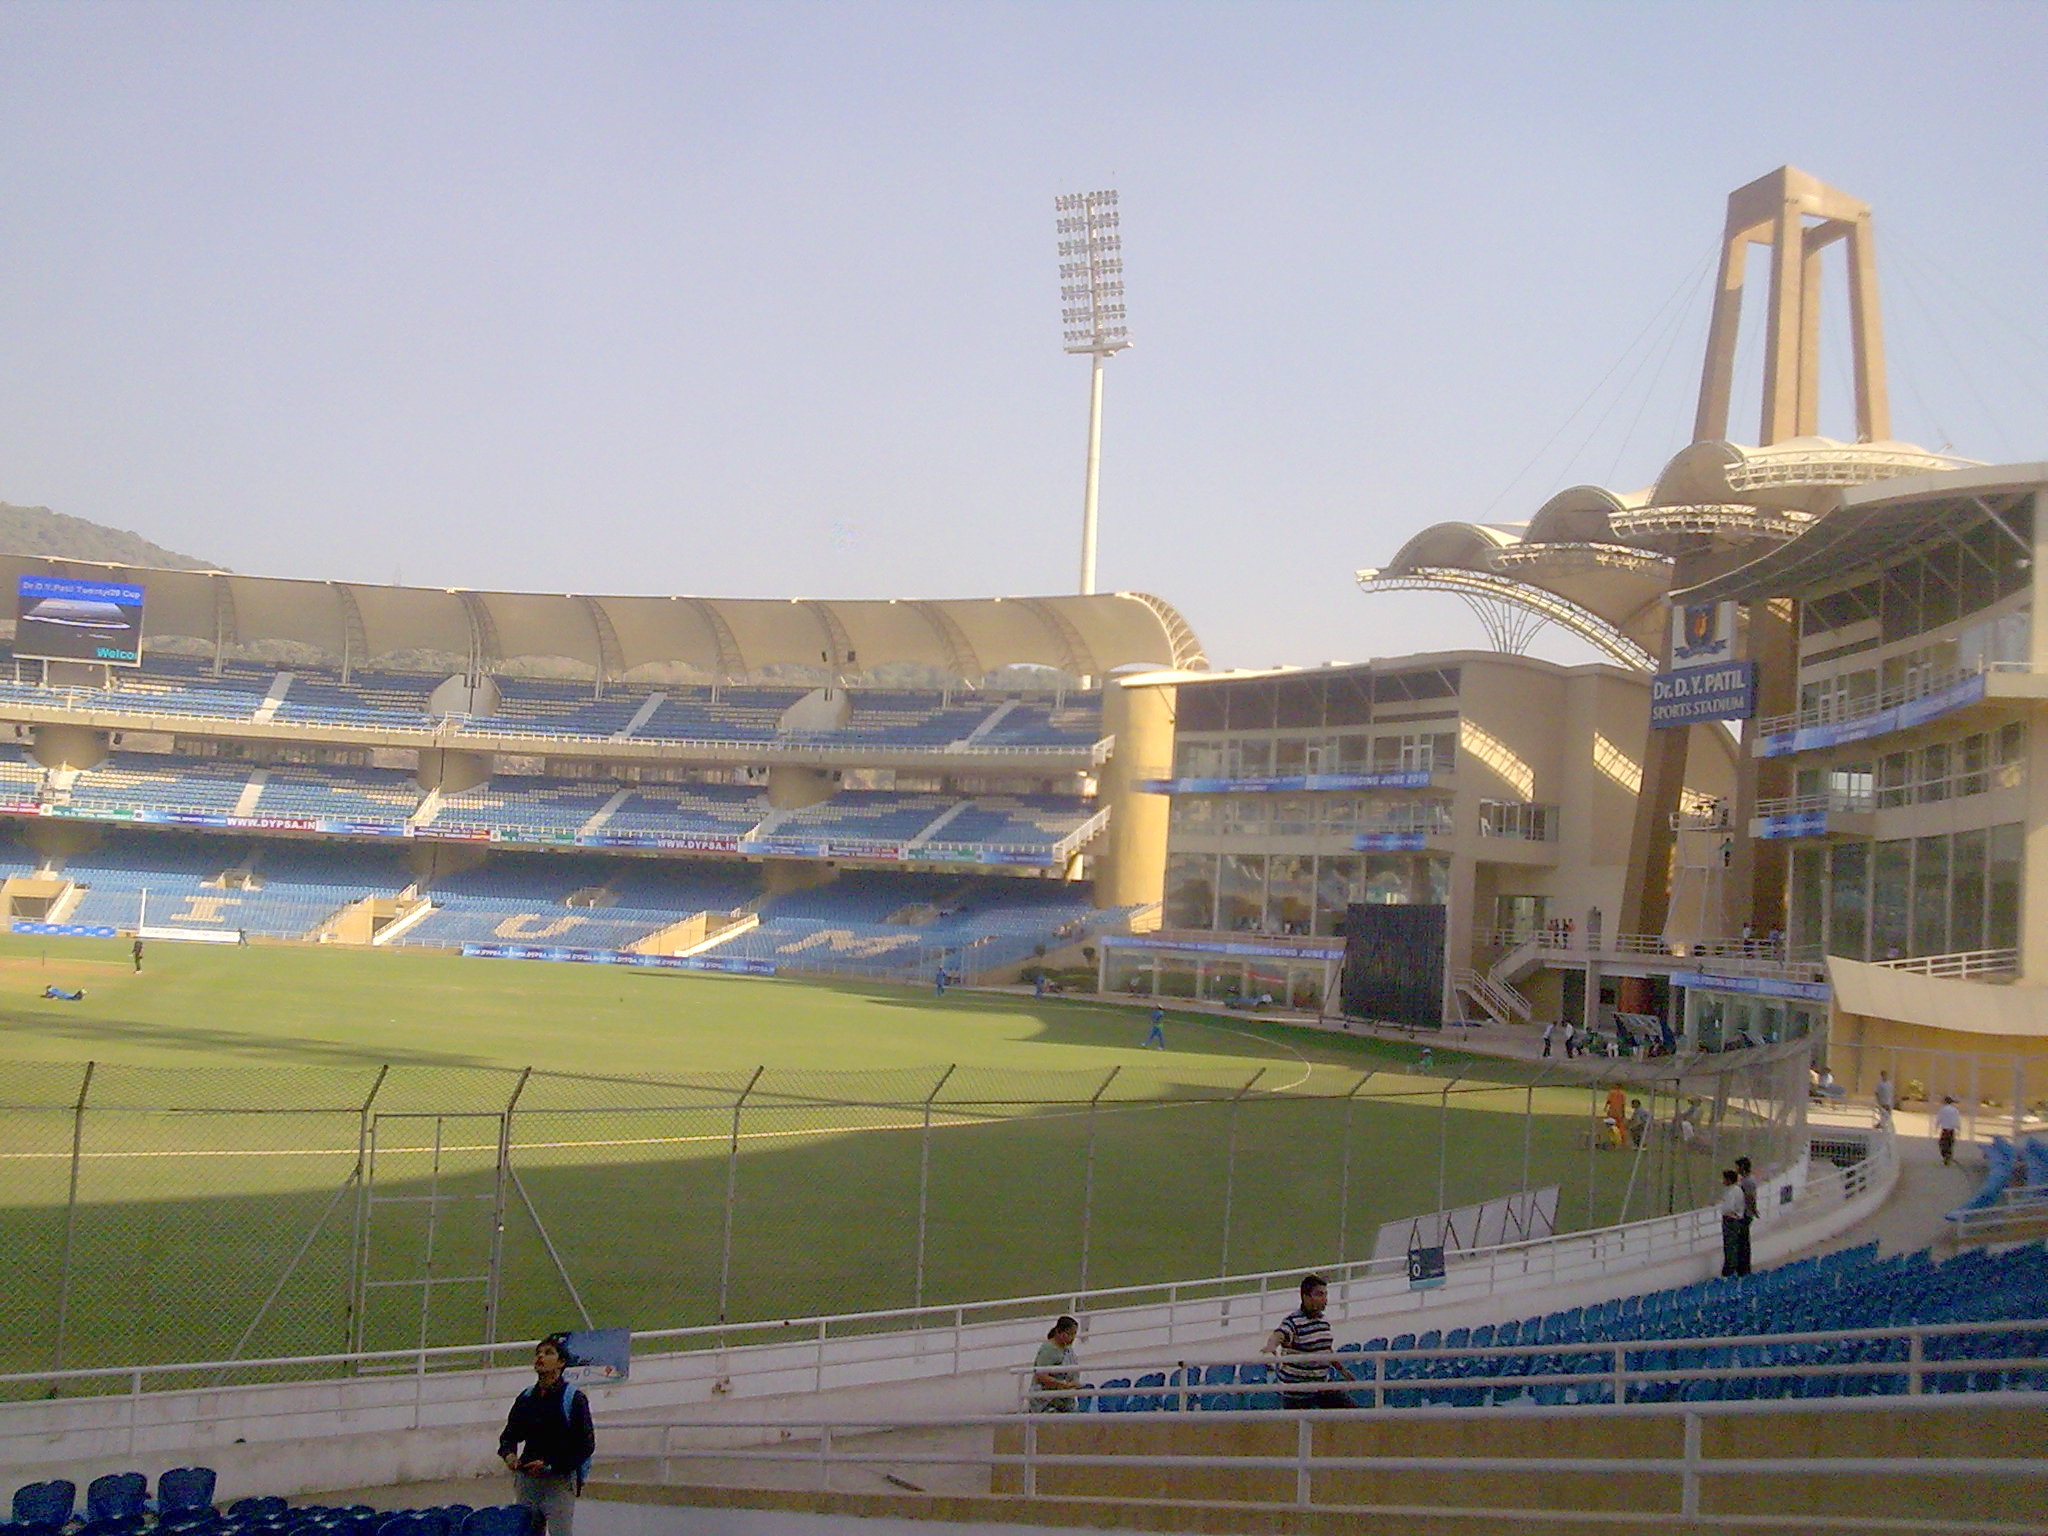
(1092, 310)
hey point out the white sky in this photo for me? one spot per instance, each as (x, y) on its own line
(761, 299)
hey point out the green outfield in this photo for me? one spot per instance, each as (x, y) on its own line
(214, 1197)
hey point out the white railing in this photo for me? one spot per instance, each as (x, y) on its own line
(1918, 687)
(1963, 965)
(92, 708)
(1642, 1489)
(1502, 1003)
(1604, 1373)
(1838, 802)
(124, 1408)
(1733, 956)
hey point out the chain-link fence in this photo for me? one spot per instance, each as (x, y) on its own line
(158, 1214)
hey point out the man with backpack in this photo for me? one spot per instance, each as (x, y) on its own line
(548, 1441)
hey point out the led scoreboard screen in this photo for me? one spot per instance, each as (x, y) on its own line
(57, 618)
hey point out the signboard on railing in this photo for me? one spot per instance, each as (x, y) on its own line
(731, 965)
(1689, 695)
(1249, 948)
(1389, 842)
(1881, 722)
(1790, 824)
(1760, 986)
(1404, 778)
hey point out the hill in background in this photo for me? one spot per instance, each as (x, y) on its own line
(39, 531)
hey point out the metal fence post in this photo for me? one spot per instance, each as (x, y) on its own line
(1230, 1164)
(1344, 1171)
(924, 1184)
(494, 1273)
(1088, 1183)
(1443, 1153)
(70, 1220)
(732, 1175)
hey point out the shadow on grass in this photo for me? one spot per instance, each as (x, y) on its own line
(825, 1221)
(101, 1033)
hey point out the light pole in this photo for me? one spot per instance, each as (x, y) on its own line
(1092, 310)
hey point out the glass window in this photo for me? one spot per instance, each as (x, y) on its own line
(1848, 900)
(1354, 754)
(1809, 890)
(1891, 871)
(2002, 916)
(1930, 896)
(1973, 760)
(1337, 886)
(1290, 755)
(1386, 879)
(1199, 760)
(1249, 759)
(1190, 890)
(1966, 891)
(1241, 892)
(1940, 578)
(1294, 816)
(1290, 893)
(1934, 772)
(1894, 780)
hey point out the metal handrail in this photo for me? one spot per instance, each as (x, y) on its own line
(1692, 1469)
(1886, 698)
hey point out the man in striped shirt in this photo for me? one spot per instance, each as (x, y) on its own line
(1306, 1331)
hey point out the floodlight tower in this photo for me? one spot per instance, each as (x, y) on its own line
(1092, 299)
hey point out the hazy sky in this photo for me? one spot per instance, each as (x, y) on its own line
(761, 299)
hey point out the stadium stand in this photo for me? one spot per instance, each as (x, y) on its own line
(728, 810)
(539, 808)
(1696, 1342)
(1033, 822)
(132, 781)
(876, 816)
(385, 796)
(119, 1504)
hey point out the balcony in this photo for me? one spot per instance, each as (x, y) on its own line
(1841, 813)
(1927, 696)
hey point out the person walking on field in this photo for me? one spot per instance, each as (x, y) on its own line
(1887, 1100)
(1155, 1037)
(547, 1443)
(1947, 1121)
(136, 951)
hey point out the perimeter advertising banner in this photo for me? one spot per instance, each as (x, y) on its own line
(57, 618)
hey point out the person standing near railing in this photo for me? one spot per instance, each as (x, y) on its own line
(547, 1443)
(1052, 1371)
(1733, 1223)
(1305, 1331)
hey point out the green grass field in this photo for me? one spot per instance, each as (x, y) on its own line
(216, 1210)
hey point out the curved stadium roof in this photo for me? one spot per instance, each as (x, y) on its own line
(1601, 563)
(728, 639)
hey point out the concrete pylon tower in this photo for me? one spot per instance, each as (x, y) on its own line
(1798, 217)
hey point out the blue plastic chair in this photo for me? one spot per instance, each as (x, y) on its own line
(1149, 1402)
(45, 1506)
(498, 1520)
(268, 1506)
(184, 1491)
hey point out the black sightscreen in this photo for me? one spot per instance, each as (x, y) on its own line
(1394, 963)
